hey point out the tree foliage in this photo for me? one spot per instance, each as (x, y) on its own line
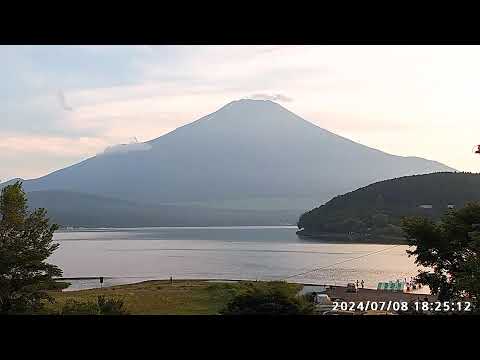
(449, 250)
(25, 244)
(276, 299)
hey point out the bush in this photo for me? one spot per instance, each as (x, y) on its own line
(110, 306)
(103, 306)
(274, 299)
(73, 307)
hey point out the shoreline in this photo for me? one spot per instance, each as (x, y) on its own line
(324, 237)
(343, 238)
(80, 228)
(335, 292)
(207, 296)
(333, 288)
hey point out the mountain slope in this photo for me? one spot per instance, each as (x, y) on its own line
(377, 208)
(86, 210)
(247, 151)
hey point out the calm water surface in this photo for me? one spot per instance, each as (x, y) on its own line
(263, 253)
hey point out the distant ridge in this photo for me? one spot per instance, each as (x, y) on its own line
(86, 210)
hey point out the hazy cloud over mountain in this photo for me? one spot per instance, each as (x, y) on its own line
(62, 101)
(126, 148)
(275, 97)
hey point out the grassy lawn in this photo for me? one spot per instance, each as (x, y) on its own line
(159, 297)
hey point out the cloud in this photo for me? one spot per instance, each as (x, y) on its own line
(33, 155)
(273, 97)
(35, 115)
(49, 145)
(126, 148)
(63, 102)
(370, 93)
(348, 122)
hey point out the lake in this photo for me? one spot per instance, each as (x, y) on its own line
(248, 252)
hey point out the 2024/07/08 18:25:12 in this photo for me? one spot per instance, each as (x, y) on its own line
(445, 306)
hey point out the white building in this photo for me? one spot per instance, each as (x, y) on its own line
(426, 206)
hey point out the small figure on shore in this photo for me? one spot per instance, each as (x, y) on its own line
(357, 284)
(363, 283)
(171, 280)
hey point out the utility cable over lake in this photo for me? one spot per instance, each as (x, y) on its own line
(342, 262)
(218, 253)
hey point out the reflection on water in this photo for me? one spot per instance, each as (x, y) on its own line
(264, 253)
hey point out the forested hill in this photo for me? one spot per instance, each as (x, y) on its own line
(378, 208)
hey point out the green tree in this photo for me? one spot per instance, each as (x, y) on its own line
(276, 299)
(25, 244)
(449, 250)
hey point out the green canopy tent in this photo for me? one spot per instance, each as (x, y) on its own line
(391, 285)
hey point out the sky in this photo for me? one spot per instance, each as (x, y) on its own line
(62, 104)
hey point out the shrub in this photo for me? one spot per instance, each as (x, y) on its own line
(273, 299)
(74, 307)
(103, 306)
(110, 306)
